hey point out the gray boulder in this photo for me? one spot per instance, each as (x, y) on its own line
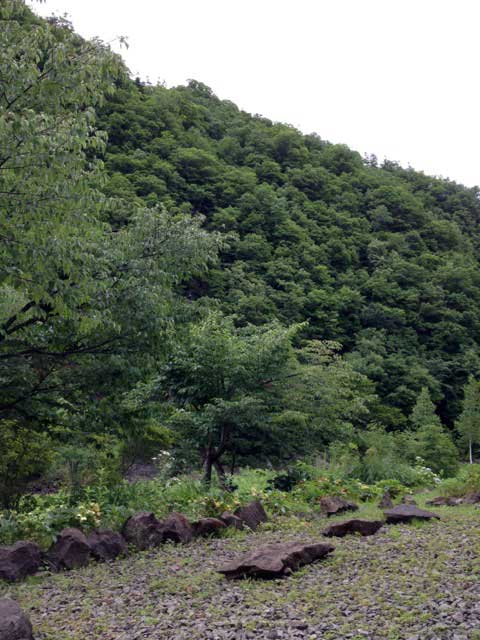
(252, 514)
(445, 501)
(106, 545)
(332, 505)
(406, 513)
(208, 527)
(143, 530)
(362, 527)
(70, 550)
(19, 561)
(177, 528)
(275, 560)
(14, 623)
(386, 501)
(231, 520)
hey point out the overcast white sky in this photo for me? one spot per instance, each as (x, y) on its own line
(398, 78)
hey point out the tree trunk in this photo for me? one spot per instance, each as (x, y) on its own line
(222, 478)
(208, 466)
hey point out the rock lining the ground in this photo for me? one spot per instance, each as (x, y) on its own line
(231, 520)
(176, 528)
(332, 505)
(20, 560)
(348, 527)
(404, 513)
(445, 501)
(14, 623)
(407, 583)
(106, 545)
(208, 527)
(386, 501)
(70, 550)
(275, 560)
(143, 530)
(252, 514)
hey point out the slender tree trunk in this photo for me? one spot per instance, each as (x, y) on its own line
(208, 466)
(470, 450)
(222, 478)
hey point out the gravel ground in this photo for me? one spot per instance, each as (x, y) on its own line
(408, 582)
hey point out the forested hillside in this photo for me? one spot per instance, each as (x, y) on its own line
(176, 274)
(380, 258)
(215, 326)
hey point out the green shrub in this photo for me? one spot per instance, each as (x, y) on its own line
(466, 481)
(384, 456)
(49, 515)
(25, 455)
(436, 447)
(287, 480)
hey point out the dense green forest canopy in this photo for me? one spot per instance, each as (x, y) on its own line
(382, 259)
(177, 273)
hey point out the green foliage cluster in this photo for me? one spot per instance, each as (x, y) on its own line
(41, 518)
(178, 274)
(86, 308)
(468, 424)
(381, 259)
(466, 482)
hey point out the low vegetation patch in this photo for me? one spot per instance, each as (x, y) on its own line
(404, 582)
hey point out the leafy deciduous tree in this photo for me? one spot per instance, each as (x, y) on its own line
(468, 424)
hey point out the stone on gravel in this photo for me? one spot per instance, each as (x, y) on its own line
(252, 514)
(177, 528)
(407, 513)
(70, 551)
(363, 527)
(231, 520)
(386, 501)
(275, 560)
(106, 545)
(143, 530)
(445, 501)
(14, 624)
(19, 561)
(331, 505)
(208, 526)
(472, 498)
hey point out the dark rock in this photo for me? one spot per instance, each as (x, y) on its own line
(140, 471)
(208, 526)
(252, 514)
(275, 560)
(70, 551)
(19, 561)
(386, 501)
(472, 498)
(445, 501)
(407, 513)
(143, 530)
(363, 527)
(176, 528)
(231, 521)
(14, 623)
(106, 545)
(331, 505)
(407, 499)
